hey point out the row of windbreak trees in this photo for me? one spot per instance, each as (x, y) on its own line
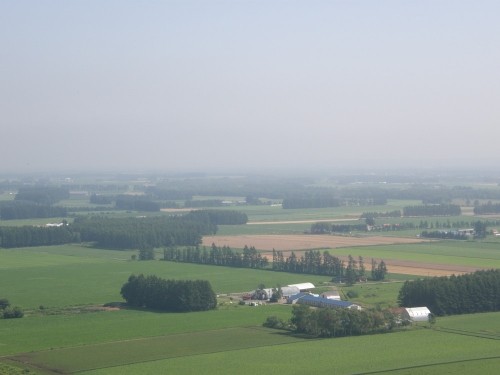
(217, 256)
(155, 293)
(316, 263)
(488, 208)
(464, 294)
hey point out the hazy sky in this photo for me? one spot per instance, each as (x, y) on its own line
(195, 85)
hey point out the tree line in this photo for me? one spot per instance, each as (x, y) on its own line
(488, 208)
(27, 236)
(463, 294)
(395, 213)
(155, 293)
(218, 256)
(125, 233)
(136, 203)
(326, 228)
(432, 210)
(147, 232)
(334, 322)
(14, 210)
(316, 263)
(444, 235)
(46, 195)
(223, 217)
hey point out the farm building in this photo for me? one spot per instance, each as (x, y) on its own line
(416, 314)
(331, 294)
(295, 298)
(303, 287)
(288, 291)
(317, 301)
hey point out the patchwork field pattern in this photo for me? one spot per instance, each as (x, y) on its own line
(297, 243)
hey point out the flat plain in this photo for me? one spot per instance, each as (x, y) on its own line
(67, 329)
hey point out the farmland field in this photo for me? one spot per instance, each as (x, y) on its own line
(67, 328)
(217, 351)
(72, 333)
(403, 255)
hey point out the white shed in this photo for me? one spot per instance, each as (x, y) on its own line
(303, 286)
(417, 314)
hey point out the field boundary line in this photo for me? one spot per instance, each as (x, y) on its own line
(427, 365)
(197, 354)
(480, 335)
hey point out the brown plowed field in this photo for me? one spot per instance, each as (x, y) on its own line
(288, 243)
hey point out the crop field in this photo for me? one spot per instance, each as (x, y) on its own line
(75, 275)
(303, 242)
(68, 328)
(225, 350)
(73, 334)
(403, 255)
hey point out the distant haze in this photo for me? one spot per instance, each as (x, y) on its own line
(214, 85)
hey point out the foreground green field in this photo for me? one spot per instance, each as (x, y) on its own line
(62, 288)
(475, 349)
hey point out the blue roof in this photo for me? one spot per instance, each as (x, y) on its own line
(297, 296)
(324, 301)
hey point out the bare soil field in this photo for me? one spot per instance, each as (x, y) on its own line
(304, 242)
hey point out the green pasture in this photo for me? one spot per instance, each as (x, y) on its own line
(383, 294)
(75, 275)
(269, 213)
(155, 348)
(432, 351)
(74, 329)
(463, 253)
(68, 335)
(62, 278)
(190, 343)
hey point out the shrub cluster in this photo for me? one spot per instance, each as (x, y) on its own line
(9, 312)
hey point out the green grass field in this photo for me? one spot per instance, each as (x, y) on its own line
(463, 253)
(248, 349)
(75, 275)
(69, 334)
